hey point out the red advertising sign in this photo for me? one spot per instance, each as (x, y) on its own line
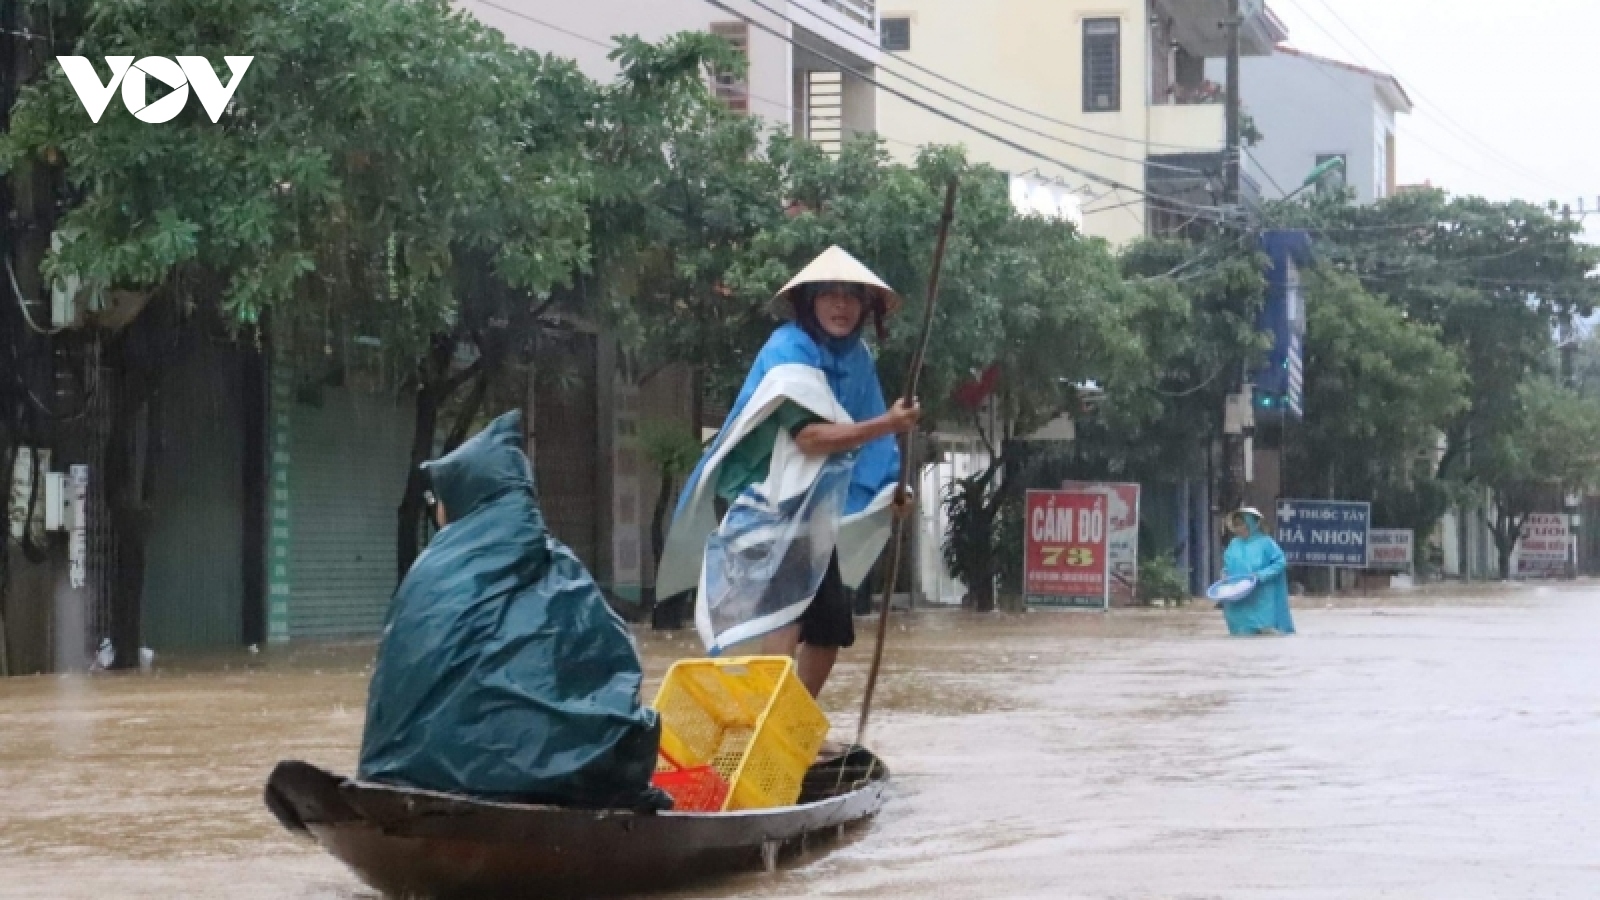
(1542, 549)
(1122, 536)
(1066, 549)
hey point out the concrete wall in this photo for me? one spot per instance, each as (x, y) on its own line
(1306, 108)
(667, 396)
(584, 31)
(1030, 52)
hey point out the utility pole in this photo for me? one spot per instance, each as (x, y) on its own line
(1231, 492)
(1232, 153)
(1572, 502)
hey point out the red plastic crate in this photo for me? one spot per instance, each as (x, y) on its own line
(692, 788)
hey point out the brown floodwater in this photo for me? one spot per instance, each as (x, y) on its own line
(1428, 745)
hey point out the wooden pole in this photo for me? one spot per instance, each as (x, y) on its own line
(908, 452)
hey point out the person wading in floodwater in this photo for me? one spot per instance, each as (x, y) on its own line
(1252, 552)
(791, 503)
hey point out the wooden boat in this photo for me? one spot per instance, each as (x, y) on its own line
(410, 843)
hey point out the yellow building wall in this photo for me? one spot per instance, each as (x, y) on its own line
(1029, 52)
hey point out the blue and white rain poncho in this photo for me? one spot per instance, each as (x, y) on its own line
(1266, 610)
(759, 568)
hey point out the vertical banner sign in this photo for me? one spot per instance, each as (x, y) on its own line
(1542, 549)
(1122, 535)
(1065, 560)
(627, 538)
(22, 489)
(78, 547)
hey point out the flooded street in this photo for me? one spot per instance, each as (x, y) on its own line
(1437, 747)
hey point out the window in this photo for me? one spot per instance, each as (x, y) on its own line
(825, 111)
(1102, 65)
(1380, 168)
(895, 34)
(1390, 172)
(731, 89)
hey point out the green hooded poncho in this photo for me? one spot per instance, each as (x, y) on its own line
(503, 673)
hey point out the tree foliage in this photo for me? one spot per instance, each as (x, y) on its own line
(1497, 279)
(378, 137)
(1380, 389)
(1494, 282)
(1553, 448)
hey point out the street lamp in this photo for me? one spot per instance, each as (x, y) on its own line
(1317, 174)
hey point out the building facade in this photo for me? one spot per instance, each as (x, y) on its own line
(810, 61)
(1115, 92)
(1309, 110)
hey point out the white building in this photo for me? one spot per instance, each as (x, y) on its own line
(799, 51)
(1309, 110)
(1113, 92)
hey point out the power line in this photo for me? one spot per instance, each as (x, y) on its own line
(1317, 23)
(1461, 130)
(995, 116)
(1321, 70)
(780, 105)
(913, 64)
(1174, 203)
(952, 118)
(553, 27)
(1265, 171)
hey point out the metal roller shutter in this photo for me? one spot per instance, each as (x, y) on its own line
(349, 457)
(193, 580)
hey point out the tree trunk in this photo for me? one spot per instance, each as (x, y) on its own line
(138, 357)
(127, 465)
(436, 387)
(983, 594)
(658, 521)
(469, 410)
(1507, 530)
(433, 371)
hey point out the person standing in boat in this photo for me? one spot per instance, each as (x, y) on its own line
(792, 502)
(502, 672)
(1252, 552)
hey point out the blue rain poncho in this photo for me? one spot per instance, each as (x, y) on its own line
(758, 569)
(1266, 609)
(502, 672)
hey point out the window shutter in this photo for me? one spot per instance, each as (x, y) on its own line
(1102, 65)
(733, 91)
(896, 34)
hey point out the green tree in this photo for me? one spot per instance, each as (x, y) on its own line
(670, 447)
(1032, 301)
(1554, 447)
(379, 151)
(1195, 314)
(1497, 279)
(1380, 390)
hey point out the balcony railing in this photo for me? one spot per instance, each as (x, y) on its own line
(862, 12)
(1203, 94)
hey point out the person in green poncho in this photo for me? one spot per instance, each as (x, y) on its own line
(502, 673)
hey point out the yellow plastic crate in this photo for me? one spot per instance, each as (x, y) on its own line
(750, 718)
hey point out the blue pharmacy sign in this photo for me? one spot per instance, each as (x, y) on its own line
(1280, 384)
(1324, 532)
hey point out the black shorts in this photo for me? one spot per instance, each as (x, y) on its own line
(830, 619)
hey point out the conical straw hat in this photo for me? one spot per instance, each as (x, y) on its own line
(835, 265)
